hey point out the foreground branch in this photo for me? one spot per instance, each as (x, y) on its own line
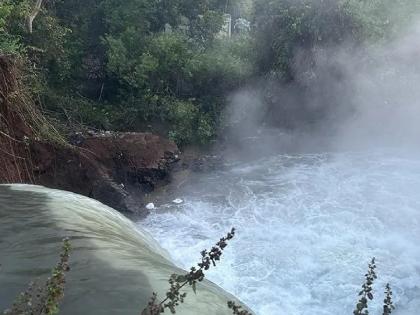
(174, 296)
(366, 292)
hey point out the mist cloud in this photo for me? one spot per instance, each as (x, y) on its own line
(344, 97)
(386, 95)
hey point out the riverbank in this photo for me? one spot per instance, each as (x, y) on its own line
(115, 168)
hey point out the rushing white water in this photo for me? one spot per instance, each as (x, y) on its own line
(307, 227)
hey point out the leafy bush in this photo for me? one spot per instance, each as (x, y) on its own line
(183, 116)
(381, 19)
(283, 27)
(9, 43)
(77, 112)
(286, 26)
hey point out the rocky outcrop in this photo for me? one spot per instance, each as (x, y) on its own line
(114, 168)
(201, 159)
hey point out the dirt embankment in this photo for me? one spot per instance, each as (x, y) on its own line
(114, 168)
(14, 131)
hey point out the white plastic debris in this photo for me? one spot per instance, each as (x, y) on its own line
(178, 201)
(150, 206)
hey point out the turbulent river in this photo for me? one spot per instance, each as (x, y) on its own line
(307, 226)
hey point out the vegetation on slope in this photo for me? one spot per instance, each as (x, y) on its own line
(166, 66)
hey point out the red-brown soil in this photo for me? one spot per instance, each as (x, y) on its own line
(114, 168)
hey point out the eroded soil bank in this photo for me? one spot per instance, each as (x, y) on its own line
(117, 169)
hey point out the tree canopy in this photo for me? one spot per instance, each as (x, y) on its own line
(167, 65)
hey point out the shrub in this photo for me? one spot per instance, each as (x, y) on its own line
(9, 43)
(183, 117)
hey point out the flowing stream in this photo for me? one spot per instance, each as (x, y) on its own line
(307, 226)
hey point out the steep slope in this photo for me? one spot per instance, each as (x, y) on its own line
(115, 168)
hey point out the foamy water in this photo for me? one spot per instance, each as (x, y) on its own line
(307, 227)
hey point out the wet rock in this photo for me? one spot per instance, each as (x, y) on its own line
(207, 163)
(200, 160)
(76, 139)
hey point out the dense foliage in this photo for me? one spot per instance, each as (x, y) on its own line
(128, 65)
(167, 66)
(286, 27)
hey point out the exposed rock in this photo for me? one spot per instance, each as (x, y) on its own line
(199, 160)
(114, 168)
(207, 163)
